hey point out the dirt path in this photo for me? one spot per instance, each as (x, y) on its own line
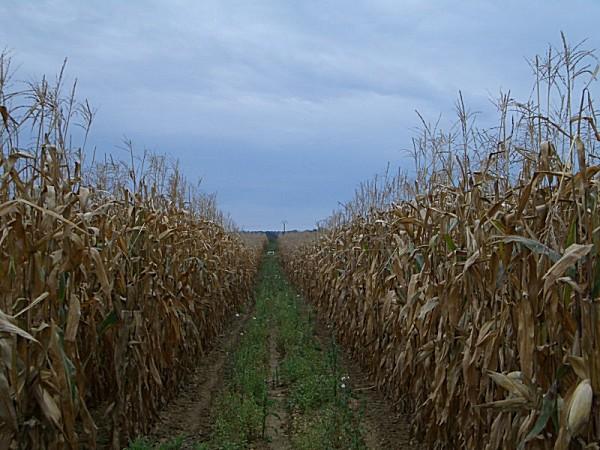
(384, 428)
(277, 422)
(189, 414)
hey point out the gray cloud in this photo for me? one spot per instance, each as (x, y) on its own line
(282, 107)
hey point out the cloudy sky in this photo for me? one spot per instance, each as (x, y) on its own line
(283, 107)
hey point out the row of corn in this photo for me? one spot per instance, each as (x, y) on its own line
(476, 307)
(466, 318)
(108, 298)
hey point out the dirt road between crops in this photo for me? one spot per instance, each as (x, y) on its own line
(189, 414)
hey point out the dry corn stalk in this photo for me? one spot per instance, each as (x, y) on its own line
(110, 292)
(474, 302)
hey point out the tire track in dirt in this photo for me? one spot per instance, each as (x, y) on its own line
(189, 414)
(277, 428)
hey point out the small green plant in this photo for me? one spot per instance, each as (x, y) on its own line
(318, 392)
(145, 444)
(238, 421)
(174, 444)
(140, 444)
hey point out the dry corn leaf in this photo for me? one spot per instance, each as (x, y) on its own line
(572, 254)
(6, 326)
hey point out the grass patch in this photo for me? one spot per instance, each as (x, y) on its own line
(145, 444)
(318, 394)
(242, 410)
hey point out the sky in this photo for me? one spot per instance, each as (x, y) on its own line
(283, 107)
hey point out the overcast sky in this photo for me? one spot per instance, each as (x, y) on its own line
(283, 107)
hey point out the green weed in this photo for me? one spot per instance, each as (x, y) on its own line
(318, 395)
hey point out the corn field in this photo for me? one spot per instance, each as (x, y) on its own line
(114, 279)
(472, 295)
